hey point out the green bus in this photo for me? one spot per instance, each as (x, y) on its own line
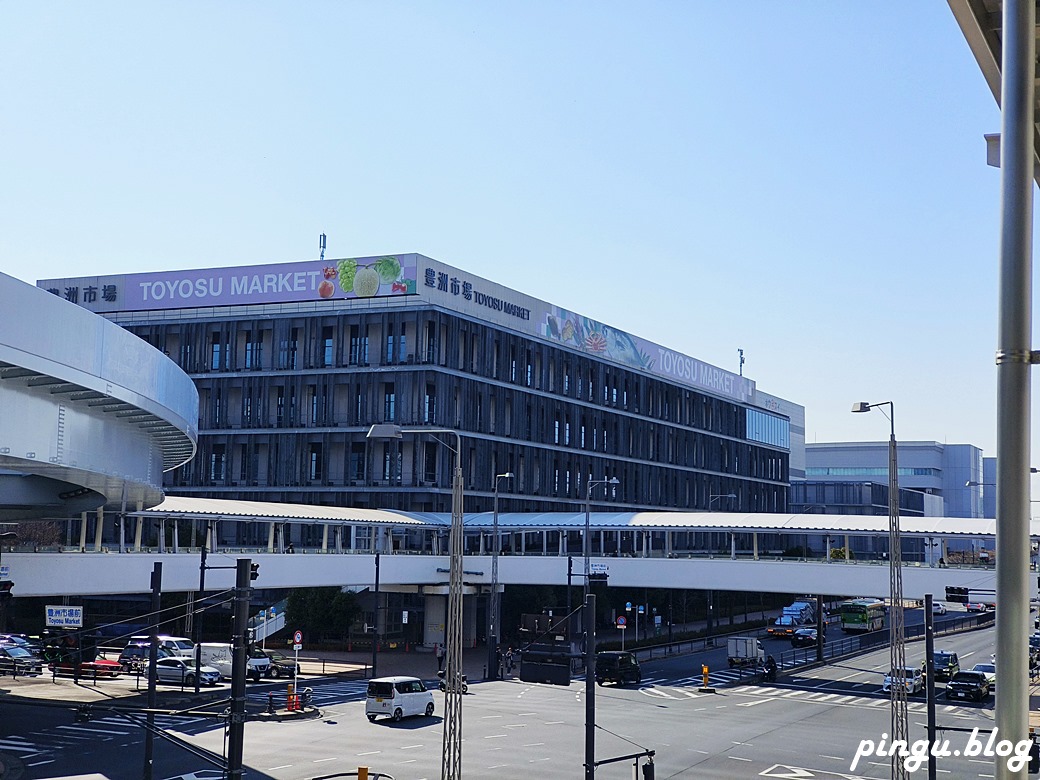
(862, 615)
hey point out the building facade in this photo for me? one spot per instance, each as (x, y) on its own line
(294, 363)
(942, 472)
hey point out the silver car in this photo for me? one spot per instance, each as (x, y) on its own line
(181, 671)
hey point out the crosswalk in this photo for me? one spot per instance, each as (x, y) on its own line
(689, 688)
(39, 746)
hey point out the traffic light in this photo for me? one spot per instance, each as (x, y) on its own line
(254, 571)
(6, 586)
(957, 595)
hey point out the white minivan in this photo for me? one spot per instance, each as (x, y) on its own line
(398, 697)
(218, 655)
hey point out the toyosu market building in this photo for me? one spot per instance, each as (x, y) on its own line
(295, 362)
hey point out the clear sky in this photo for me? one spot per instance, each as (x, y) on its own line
(803, 181)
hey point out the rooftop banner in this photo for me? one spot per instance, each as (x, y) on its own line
(360, 277)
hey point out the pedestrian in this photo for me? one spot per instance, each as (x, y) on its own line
(290, 548)
(498, 663)
(509, 661)
(439, 652)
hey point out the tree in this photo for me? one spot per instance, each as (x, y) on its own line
(324, 614)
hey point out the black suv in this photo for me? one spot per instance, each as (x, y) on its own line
(618, 666)
(968, 685)
(946, 664)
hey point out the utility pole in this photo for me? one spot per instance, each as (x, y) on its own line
(237, 719)
(375, 620)
(590, 686)
(929, 686)
(153, 656)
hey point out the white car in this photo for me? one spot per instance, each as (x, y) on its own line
(990, 670)
(181, 671)
(911, 677)
(398, 697)
(938, 608)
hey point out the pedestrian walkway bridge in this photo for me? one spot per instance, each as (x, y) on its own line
(786, 553)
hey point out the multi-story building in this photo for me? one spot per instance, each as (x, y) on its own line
(294, 363)
(948, 475)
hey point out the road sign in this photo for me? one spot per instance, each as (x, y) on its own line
(297, 639)
(622, 622)
(65, 617)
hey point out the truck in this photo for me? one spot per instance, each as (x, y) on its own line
(745, 651)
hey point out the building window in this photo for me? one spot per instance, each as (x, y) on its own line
(253, 350)
(327, 346)
(314, 465)
(356, 469)
(218, 353)
(358, 345)
(216, 463)
(430, 450)
(430, 404)
(389, 402)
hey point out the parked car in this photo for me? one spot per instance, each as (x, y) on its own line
(617, 666)
(181, 671)
(134, 657)
(398, 697)
(34, 646)
(804, 637)
(100, 667)
(173, 645)
(911, 677)
(968, 685)
(946, 664)
(938, 608)
(281, 665)
(990, 670)
(18, 661)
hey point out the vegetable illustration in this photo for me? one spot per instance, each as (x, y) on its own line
(388, 269)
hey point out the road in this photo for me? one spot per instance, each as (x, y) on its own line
(806, 726)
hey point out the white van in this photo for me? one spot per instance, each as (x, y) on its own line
(173, 645)
(398, 697)
(218, 655)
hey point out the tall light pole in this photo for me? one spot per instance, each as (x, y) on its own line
(586, 543)
(494, 626)
(451, 745)
(897, 634)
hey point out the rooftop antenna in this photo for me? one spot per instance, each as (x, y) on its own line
(741, 353)
(321, 246)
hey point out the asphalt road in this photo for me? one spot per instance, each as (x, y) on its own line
(807, 726)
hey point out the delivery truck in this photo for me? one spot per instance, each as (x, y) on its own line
(745, 651)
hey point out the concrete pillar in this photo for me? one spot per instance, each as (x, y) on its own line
(754, 543)
(436, 615)
(137, 534)
(828, 548)
(162, 534)
(83, 532)
(325, 537)
(270, 536)
(176, 536)
(99, 529)
(339, 538)
(732, 545)
(847, 551)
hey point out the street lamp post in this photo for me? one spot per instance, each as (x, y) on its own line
(494, 626)
(586, 542)
(897, 646)
(451, 747)
(7, 537)
(713, 499)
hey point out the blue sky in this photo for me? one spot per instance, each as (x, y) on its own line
(805, 181)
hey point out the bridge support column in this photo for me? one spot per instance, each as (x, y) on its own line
(846, 548)
(270, 537)
(99, 529)
(176, 536)
(733, 545)
(83, 532)
(754, 543)
(325, 537)
(436, 617)
(138, 530)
